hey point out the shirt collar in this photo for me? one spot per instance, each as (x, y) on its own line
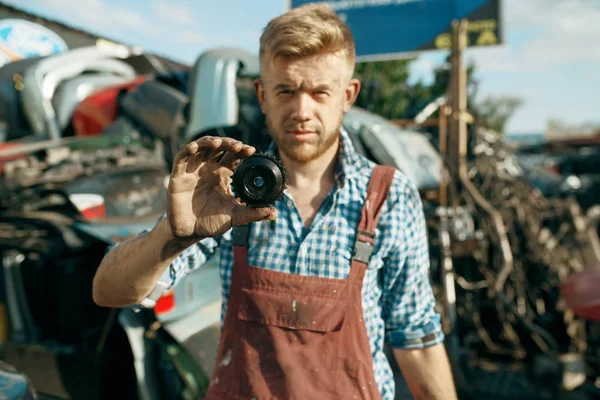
(348, 160)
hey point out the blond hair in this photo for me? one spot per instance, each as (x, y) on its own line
(306, 31)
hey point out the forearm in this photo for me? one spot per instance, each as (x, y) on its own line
(130, 271)
(427, 372)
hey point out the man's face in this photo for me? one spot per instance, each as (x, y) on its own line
(304, 101)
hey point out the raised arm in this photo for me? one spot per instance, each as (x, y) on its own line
(199, 205)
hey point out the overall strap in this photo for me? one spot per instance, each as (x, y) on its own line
(377, 192)
(239, 239)
(240, 235)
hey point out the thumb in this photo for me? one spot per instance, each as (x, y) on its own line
(243, 215)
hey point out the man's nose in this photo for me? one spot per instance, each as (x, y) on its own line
(302, 107)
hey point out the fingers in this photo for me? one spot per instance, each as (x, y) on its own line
(232, 159)
(180, 161)
(226, 145)
(193, 152)
(207, 148)
(243, 215)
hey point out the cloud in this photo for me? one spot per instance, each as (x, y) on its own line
(101, 17)
(567, 32)
(421, 70)
(251, 35)
(176, 13)
(57, 3)
(196, 38)
(132, 20)
(191, 38)
(96, 14)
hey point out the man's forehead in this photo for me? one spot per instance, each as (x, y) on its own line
(309, 71)
(305, 82)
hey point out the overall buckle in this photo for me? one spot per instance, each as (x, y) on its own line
(362, 251)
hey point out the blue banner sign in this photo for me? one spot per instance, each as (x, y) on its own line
(387, 29)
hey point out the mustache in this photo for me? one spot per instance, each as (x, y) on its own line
(296, 127)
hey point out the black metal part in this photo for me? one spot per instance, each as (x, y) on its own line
(259, 181)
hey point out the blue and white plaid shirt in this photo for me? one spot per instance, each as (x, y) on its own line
(397, 298)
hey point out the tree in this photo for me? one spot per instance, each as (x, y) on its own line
(556, 128)
(385, 92)
(383, 86)
(494, 112)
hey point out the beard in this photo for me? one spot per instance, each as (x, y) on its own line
(303, 151)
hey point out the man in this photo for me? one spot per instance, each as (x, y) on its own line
(304, 315)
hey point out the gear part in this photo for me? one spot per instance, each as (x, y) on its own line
(259, 181)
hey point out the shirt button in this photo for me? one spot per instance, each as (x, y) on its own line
(290, 203)
(302, 251)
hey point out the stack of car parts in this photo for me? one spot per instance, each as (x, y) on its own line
(62, 202)
(504, 254)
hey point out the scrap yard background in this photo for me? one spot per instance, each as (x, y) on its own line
(489, 106)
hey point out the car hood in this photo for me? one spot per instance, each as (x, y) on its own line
(410, 151)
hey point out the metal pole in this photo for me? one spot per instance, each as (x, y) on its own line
(443, 138)
(461, 91)
(458, 102)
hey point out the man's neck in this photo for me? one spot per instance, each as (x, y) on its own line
(306, 174)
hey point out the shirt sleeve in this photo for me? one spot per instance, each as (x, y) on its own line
(408, 301)
(189, 260)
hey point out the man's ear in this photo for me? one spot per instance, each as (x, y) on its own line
(259, 88)
(351, 93)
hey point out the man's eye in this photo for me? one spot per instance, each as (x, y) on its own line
(321, 93)
(286, 92)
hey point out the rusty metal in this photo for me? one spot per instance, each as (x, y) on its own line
(528, 245)
(443, 143)
(459, 95)
(504, 250)
(407, 122)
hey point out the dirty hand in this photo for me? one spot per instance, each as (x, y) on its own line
(200, 202)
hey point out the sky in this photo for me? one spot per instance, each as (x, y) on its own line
(551, 55)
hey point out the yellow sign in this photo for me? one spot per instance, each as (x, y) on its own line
(480, 33)
(443, 41)
(487, 37)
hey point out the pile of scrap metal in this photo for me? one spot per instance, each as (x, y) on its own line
(68, 189)
(517, 276)
(516, 272)
(565, 166)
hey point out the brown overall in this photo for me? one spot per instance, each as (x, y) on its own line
(295, 337)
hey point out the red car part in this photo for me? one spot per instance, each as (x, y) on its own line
(100, 109)
(581, 292)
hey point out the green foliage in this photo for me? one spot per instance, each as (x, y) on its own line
(494, 112)
(385, 92)
(559, 128)
(383, 86)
